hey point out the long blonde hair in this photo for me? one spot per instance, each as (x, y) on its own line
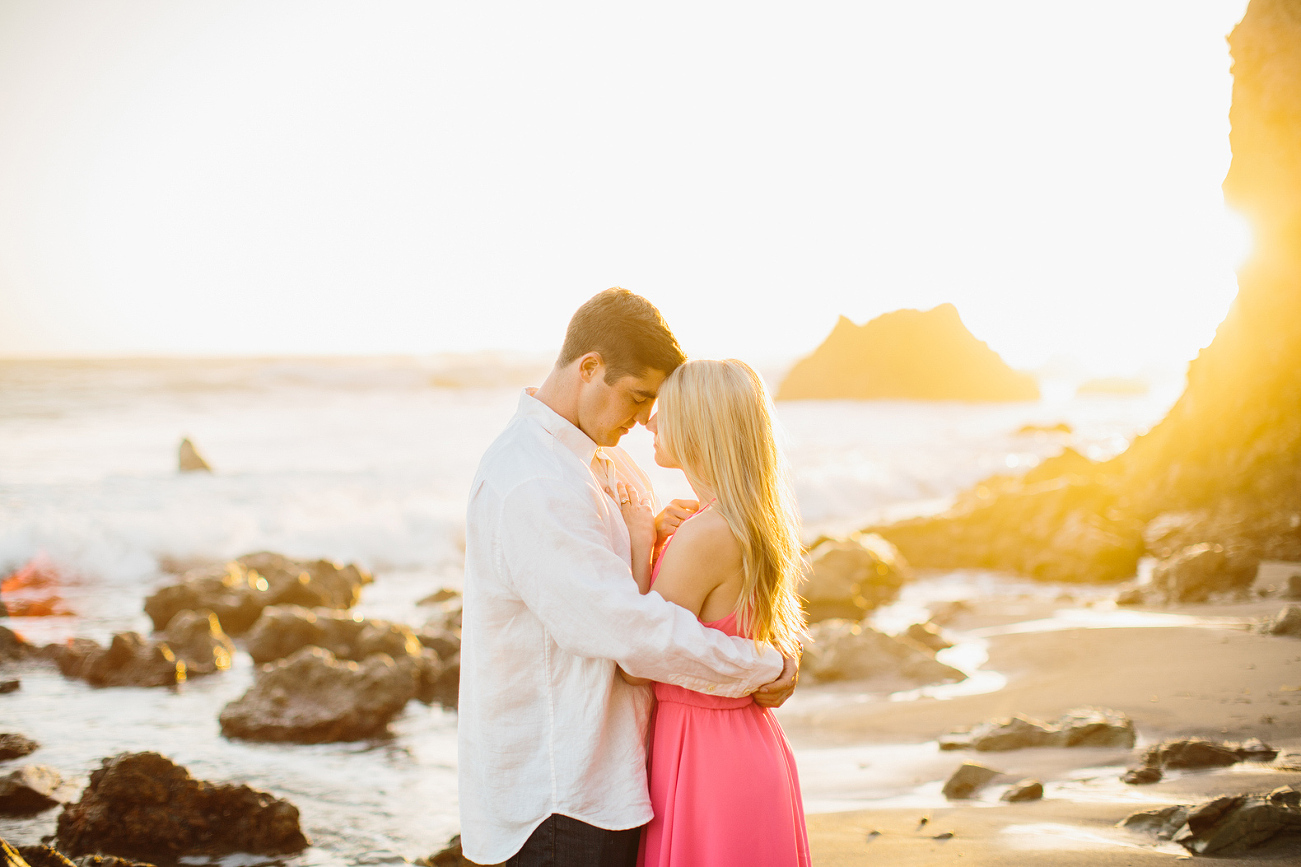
(716, 421)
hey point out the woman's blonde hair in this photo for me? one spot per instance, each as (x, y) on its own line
(716, 421)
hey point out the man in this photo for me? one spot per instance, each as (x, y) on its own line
(552, 743)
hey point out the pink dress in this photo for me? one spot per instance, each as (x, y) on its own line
(722, 782)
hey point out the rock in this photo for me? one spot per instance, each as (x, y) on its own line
(1132, 596)
(43, 856)
(238, 591)
(1286, 622)
(13, 646)
(1221, 826)
(443, 642)
(143, 806)
(108, 861)
(1285, 796)
(968, 779)
(1191, 754)
(311, 697)
(445, 689)
(129, 660)
(439, 596)
(954, 741)
(8, 686)
(928, 634)
(284, 629)
(847, 578)
(947, 612)
(190, 460)
(906, 355)
(1142, 776)
(195, 638)
(29, 790)
(1277, 578)
(1026, 790)
(451, 856)
(1194, 573)
(1080, 727)
(843, 650)
(15, 746)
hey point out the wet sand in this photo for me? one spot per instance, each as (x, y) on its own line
(1212, 677)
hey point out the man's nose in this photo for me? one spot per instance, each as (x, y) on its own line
(647, 418)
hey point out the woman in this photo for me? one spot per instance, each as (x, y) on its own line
(722, 777)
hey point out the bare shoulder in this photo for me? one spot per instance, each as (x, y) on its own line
(708, 536)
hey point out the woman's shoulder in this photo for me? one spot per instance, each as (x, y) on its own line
(707, 534)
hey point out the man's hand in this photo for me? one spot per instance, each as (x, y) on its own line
(775, 694)
(668, 521)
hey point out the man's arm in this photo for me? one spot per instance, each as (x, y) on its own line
(554, 550)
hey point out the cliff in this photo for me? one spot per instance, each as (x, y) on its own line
(1223, 468)
(906, 355)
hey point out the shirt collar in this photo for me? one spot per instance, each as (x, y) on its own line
(569, 435)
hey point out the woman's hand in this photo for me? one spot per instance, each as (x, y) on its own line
(668, 521)
(636, 511)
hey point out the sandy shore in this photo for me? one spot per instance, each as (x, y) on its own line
(1210, 676)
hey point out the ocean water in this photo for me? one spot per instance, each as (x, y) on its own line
(368, 461)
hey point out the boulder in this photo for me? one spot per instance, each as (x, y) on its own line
(15, 746)
(130, 660)
(143, 806)
(847, 578)
(906, 355)
(438, 597)
(449, 856)
(238, 591)
(13, 646)
(196, 638)
(844, 650)
(189, 459)
(8, 686)
(969, 779)
(928, 634)
(1286, 622)
(1195, 573)
(1142, 776)
(29, 790)
(1196, 753)
(1080, 727)
(311, 697)
(1222, 826)
(1026, 790)
(284, 629)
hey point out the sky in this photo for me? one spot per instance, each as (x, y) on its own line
(404, 177)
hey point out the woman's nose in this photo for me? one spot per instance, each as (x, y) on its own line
(651, 424)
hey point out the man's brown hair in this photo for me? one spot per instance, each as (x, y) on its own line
(628, 332)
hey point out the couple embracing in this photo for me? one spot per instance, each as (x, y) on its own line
(618, 665)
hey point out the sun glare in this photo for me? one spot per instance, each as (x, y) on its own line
(1237, 238)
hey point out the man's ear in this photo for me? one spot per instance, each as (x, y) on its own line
(590, 366)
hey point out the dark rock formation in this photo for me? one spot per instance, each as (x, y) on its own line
(29, 790)
(283, 629)
(189, 459)
(15, 746)
(130, 660)
(195, 638)
(844, 650)
(1226, 825)
(928, 634)
(1142, 776)
(1195, 573)
(906, 355)
(8, 686)
(311, 697)
(1195, 754)
(142, 806)
(969, 779)
(847, 578)
(238, 591)
(1081, 727)
(449, 856)
(1286, 622)
(13, 646)
(1223, 466)
(1026, 790)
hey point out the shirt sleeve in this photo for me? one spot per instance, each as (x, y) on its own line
(556, 554)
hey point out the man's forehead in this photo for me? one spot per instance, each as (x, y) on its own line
(647, 385)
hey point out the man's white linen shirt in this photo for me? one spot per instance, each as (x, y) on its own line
(545, 723)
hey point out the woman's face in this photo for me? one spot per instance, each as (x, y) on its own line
(662, 456)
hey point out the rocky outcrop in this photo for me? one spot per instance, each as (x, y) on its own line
(1198, 572)
(196, 638)
(143, 806)
(1222, 826)
(1081, 727)
(238, 591)
(13, 647)
(189, 460)
(44, 856)
(848, 578)
(1194, 754)
(449, 856)
(1026, 790)
(1286, 622)
(311, 697)
(969, 779)
(1222, 467)
(906, 355)
(845, 650)
(29, 790)
(130, 660)
(15, 746)
(928, 635)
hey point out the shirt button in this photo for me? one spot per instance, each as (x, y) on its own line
(709, 688)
